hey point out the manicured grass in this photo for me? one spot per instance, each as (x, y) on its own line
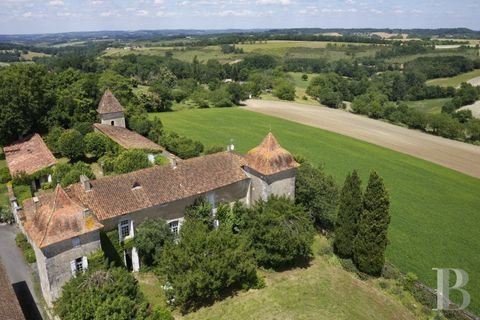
(435, 210)
(151, 287)
(322, 291)
(428, 105)
(455, 81)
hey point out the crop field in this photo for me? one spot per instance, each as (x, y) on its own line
(311, 49)
(455, 81)
(322, 291)
(428, 105)
(281, 49)
(469, 53)
(429, 203)
(182, 53)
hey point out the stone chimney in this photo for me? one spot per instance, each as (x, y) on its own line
(36, 203)
(85, 181)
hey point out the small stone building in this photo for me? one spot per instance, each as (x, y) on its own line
(111, 111)
(64, 226)
(112, 125)
(29, 156)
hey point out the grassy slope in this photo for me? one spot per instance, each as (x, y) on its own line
(435, 216)
(322, 291)
(429, 105)
(455, 81)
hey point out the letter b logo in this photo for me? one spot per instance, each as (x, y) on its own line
(443, 288)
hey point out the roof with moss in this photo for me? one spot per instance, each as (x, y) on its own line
(269, 157)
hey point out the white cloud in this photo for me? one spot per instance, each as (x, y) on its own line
(142, 13)
(56, 3)
(159, 2)
(376, 11)
(275, 2)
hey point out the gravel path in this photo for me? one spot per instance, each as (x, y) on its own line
(452, 154)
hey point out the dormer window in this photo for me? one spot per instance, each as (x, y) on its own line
(136, 185)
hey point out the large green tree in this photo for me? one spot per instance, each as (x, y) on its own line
(150, 238)
(318, 193)
(349, 212)
(371, 239)
(205, 264)
(102, 294)
(280, 230)
(70, 144)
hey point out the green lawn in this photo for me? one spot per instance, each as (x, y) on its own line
(455, 81)
(3, 188)
(322, 291)
(428, 105)
(435, 210)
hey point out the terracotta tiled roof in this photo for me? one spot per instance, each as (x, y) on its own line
(28, 155)
(269, 157)
(109, 104)
(117, 195)
(56, 217)
(127, 138)
(9, 305)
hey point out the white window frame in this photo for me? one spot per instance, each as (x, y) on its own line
(179, 226)
(123, 223)
(79, 265)
(174, 226)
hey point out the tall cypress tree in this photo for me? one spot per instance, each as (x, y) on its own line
(371, 240)
(349, 212)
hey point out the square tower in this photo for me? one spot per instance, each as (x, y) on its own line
(111, 111)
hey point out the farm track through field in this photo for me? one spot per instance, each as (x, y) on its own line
(452, 154)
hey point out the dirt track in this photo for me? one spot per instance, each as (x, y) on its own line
(456, 155)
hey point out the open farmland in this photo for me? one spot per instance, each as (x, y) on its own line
(457, 80)
(429, 205)
(182, 53)
(312, 49)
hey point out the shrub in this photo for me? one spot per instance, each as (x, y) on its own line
(24, 245)
(52, 139)
(284, 91)
(214, 149)
(5, 175)
(161, 160)
(6, 215)
(131, 160)
(22, 193)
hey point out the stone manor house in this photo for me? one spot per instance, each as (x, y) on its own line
(64, 226)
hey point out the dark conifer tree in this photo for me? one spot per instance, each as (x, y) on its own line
(371, 239)
(349, 212)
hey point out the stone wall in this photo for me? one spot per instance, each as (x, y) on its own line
(54, 263)
(117, 117)
(279, 184)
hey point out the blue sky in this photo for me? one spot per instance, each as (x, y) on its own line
(42, 16)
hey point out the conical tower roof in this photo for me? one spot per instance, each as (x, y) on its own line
(109, 104)
(269, 157)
